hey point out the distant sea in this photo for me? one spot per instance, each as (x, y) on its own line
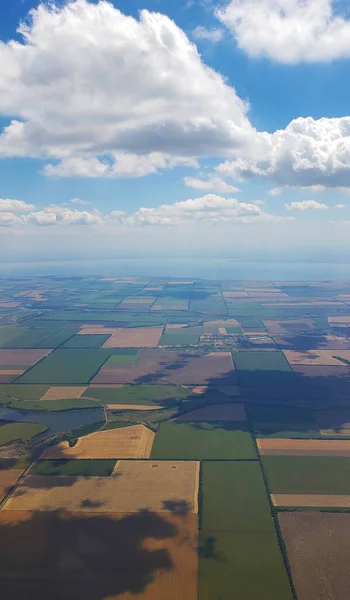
(202, 268)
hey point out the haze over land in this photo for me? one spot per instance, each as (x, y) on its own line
(174, 129)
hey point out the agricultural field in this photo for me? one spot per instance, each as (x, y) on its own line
(196, 433)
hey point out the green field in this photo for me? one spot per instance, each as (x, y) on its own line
(307, 474)
(262, 368)
(85, 341)
(271, 421)
(203, 441)
(56, 339)
(83, 467)
(178, 338)
(239, 555)
(23, 392)
(30, 338)
(66, 366)
(9, 432)
(126, 358)
(152, 395)
(10, 332)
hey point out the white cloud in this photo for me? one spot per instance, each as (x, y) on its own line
(306, 205)
(208, 209)
(211, 35)
(288, 31)
(90, 82)
(117, 164)
(78, 201)
(274, 192)
(258, 202)
(307, 153)
(7, 205)
(213, 184)
(340, 206)
(8, 219)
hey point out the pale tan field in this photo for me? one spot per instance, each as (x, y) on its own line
(291, 447)
(160, 486)
(64, 392)
(132, 407)
(175, 326)
(125, 442)
(199, 389)
(235, 294)
(5, 304)
(218, 412)
(317, 357)
(11, 371)
(97, 330)
(275, 327)
(136, 337)
(180, 282)
(310, 304)
(222, 331)
(8, 478)
(111, 386)
(314, 500)
(342, 319)
(21, 357)
(222, 323)
(142, 556)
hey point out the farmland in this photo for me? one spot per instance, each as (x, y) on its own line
(174, 424)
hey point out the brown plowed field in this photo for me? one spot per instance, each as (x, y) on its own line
(97, 330)
(218, 412)
(317, 357)
(320, 371)
(291, 447)
(275, 327)
(312, 500)
(342, 319)
(318, 550)
(177, 367)
(64, 392)
(8, 478)
(161, 486)
(142, 556)
(125, 442)
(21, 357)
(136, 337)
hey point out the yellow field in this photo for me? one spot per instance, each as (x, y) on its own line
(160, 486)
(8, 478)
(291, 447)
(317, 357)
(134, 337)
(125, 442)
(64, 392)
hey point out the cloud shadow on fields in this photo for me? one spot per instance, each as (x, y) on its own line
(82, 555)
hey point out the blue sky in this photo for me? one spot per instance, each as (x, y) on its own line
(220, 125)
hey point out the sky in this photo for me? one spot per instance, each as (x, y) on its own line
(190, 128)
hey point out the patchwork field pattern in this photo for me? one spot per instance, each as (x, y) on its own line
(117, 388)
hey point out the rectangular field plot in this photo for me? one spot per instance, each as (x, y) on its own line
(85, 341)
(22, 357)
(63, 392)
(239, 556)
(271, 421)
(82, 467)
(164, 486)
(262, 368)
(203, 440)
(307, 474)
(65, 366)
(310, 500)
(124, 442)
(294, 447)
(135, 337)
(324, 539)
(151, 395)
(318, 357)
(142, 556)
(216, 412)
(182, 368)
